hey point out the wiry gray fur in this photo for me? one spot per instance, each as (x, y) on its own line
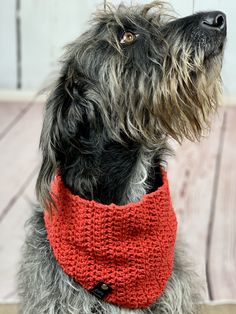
(106, 129)
(45, 289)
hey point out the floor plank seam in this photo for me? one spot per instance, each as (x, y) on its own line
(9, 295)
(18, 194)
(18, 117)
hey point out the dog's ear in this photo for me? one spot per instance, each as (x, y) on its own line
(72, 126)
(57, 126)
(50, 144)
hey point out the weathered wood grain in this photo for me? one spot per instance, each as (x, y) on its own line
(9, 111)
(191, 175)
(222, 265)
(12, 234)
(19, 156)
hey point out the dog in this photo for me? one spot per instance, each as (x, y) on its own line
(135, 79)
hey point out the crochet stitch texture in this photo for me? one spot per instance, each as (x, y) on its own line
(129, 247)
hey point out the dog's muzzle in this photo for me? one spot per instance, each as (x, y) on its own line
(202, 31)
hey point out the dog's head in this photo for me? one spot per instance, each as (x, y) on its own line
(137, 71)
(146, 74)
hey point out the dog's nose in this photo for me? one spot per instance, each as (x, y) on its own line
(214, 20)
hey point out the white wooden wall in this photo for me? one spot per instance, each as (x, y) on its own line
(7, 44)
(47, 25)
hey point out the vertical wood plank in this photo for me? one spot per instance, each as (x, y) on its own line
(47, 26)
(229, 7)
(36, 42)
(8, 44)
(223, 243)
(191, 175)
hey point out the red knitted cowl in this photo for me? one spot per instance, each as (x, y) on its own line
(128, 247)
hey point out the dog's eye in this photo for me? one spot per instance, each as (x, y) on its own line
(128, 38)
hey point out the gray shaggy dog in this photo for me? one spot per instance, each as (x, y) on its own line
(135, 79)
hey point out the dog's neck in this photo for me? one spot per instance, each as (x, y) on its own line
(113, 173)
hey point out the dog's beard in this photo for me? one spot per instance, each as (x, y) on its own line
(188, 94)
(177, 100)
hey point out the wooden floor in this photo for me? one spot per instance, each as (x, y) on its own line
(203, 186)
